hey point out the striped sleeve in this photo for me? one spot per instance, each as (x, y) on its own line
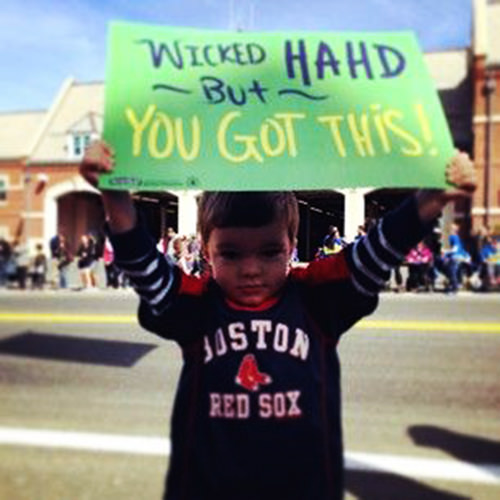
(153, 277)
(371, 258)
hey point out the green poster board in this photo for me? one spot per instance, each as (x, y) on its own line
(198, 109)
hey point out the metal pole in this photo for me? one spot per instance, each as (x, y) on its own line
(488, 90)
(27, 207)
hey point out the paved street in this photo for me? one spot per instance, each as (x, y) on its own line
(85, 398)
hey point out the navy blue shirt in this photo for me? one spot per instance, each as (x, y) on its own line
(257, 413)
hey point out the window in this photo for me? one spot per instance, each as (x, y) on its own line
(80, 142)
(3, 189)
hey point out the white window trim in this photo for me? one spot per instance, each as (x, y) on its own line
(70, 143)
(482, 211)
(481, 119)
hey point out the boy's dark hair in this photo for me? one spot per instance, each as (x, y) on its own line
(221, 209)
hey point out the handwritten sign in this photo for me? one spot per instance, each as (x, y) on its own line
(198, 109)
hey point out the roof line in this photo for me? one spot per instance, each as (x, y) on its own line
(447, 50)
(91, 82)
(23, 112)
(68, 82)
(91, 116)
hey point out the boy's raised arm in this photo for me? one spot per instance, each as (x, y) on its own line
(118, 205)
(153, 277)
(371, 258)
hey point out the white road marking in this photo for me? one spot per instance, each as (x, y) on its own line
(429, 468)
(86, 441)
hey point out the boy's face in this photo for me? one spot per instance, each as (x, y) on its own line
(250, 264)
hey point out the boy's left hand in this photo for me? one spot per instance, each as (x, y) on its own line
(460, 172)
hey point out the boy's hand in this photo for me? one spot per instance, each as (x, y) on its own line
(461, 173)
(118, 205)
(98, 158)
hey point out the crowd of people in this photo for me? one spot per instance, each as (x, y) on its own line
(17, 265)
(432, 265)
(39, 270)
(20, 270)
(436, 263)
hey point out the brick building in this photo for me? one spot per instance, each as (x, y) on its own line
(486, 120)
(39, 154)
(16, 136)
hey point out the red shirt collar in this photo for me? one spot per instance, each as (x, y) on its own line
(261, 307)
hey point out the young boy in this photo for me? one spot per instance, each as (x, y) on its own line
(257, 411)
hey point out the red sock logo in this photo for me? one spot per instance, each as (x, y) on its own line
(249, 376)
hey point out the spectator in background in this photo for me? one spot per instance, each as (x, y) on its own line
(97, 251)
(5, 255)
(332, 242)
(39, 268)
(456, 259)
(86, 254)
(200, 266)
(193, 250)
(108, 256)
(54, 244)
(178, 254)
(419, 261)
(494, 261)
(63, 261)
(22, 261)
(434, 243)
(330, 234)
(165, 244)
(487, 259)
(54, 248)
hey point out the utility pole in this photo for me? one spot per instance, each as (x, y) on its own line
(488, 91)
(27, 178)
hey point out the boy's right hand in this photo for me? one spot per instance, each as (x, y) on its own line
(118, 205)
(98, 158)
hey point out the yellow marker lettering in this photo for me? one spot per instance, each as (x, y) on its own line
(265, 140)
(139, 126)
(361, 135)
(414, 148)
(195, 136)
(249, 141)
(161, 120)
(288, 119)
(380, 128)
(426, 128)
(424, 122)
(333, 121)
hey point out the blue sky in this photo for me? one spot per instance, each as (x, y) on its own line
(43, 42)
